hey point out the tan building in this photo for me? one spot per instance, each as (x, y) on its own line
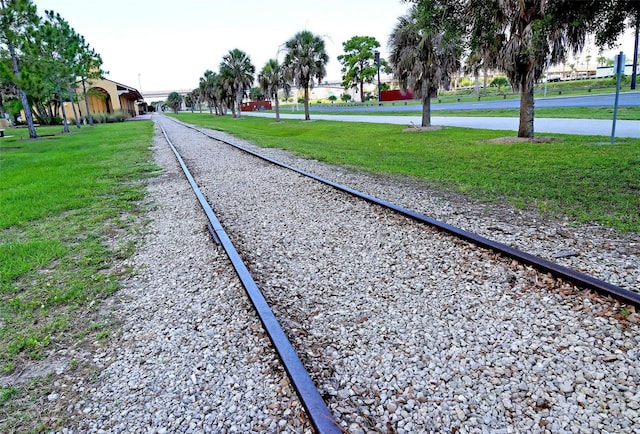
(107, 96)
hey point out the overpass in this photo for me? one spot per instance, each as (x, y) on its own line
(161, 95)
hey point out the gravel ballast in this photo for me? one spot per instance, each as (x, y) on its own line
(191, 356)
(403, 328)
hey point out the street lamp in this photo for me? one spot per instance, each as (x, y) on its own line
(377, 57)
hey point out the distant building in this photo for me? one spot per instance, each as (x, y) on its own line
(108, 96)
(607, 71)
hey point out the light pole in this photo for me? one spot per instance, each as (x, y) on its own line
(377, 57)
(634, 70)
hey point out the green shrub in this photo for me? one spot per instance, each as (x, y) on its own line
(117, 116)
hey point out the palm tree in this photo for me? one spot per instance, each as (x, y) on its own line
(197, 98)
(271, 79)
(533, 34)
(305, 59)
(473, 65)
(237, 72)
(424, 52)
(174, 100)
(482, 39)
(601, 60)
(225, 90)
(212, 91)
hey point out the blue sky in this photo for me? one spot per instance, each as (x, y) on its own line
(168, 44)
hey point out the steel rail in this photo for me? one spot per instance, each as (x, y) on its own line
(317, 411)
(559, 271)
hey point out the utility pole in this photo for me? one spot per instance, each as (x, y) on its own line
(377, 57)
(634, 70)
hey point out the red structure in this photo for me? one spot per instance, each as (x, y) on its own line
(253, 106)
(395, 95)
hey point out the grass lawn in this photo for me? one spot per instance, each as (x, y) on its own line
(575, 175)
(624, 113)
(63, 198)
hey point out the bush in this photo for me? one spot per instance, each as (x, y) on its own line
(499, 82)
(464, 82)
(109, 118)
(117, 116)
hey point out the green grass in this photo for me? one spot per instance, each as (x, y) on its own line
(624, 113)
(62, 198)
(576, 175)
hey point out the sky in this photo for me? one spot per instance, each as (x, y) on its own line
(158, 45)
(167, 45)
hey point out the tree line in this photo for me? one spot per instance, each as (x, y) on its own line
(433, 41)
(42, 60)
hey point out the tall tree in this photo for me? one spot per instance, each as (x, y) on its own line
(196, 98)
(17, 19)
(483, 43)
(426, 45)
(174, 101)
(206, 86)
(530, 35)
(56, 46)
(271, 80)
(226, 90)
(358, 62)
(237, 71)
(190, 100)
(89, 66)
(305, 59)
(614, 15)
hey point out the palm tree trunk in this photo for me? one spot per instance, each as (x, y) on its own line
(239, 102)
(233, 109)
(426, 103)
(277, 107)
(306, 103)
(361, 91)
(476, 76)
(527, 102)
(485, 73)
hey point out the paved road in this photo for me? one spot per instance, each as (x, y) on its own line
(604, 100)
(545, 125)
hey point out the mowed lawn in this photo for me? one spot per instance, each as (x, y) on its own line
(64, 199)
(624, 113)
(582, 177)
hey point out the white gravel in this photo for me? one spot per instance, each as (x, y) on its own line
(403, 328)
(191, 356)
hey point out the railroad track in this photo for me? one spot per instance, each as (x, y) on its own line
(311, 398)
